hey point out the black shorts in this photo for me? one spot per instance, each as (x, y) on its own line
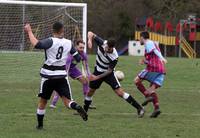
(111, 80)
(61, 86)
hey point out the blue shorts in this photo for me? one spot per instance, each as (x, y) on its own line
(152, 77)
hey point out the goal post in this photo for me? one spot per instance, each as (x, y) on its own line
(41, 16)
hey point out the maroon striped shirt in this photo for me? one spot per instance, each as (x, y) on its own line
(154, 64)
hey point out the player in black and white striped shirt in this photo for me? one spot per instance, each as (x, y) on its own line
(106, 60)
(53, 72)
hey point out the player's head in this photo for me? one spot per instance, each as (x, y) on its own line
(80, 45)
(143, 37)
(110, 45)
(58, 28)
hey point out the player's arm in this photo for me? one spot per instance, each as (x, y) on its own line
(75, 54)
(150, 47)
(32, 38)
(87, 68)
(98, 40)
(158, 53)
(85, 63)
(38, 44)
(68, 63)
(109, 71)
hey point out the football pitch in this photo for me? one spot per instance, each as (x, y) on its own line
(113, 118)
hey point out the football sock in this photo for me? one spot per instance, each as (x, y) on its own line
(155, 101)
(73, 105)
(85, 88)
(40, 117)
(55, 99)
(87, 102)
(131, 101)
(142, 89)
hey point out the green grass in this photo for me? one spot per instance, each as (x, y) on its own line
(114, 118)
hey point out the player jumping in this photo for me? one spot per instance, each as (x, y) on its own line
(106, 60)
(154, 72)
(53, 73)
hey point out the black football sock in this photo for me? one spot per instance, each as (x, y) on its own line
(132, 101)
(87, 103)
(40, 117)
(73, 105)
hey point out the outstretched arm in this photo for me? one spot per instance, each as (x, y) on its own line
(32, 38)
(109, 71)
(38, 44)
(90, 38)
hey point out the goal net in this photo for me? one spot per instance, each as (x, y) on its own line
(41, 16)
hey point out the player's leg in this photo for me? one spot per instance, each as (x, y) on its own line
(156, 80)
(85, 84)
(73, 105)
(64, 90)
(138, 82)
(144, 75)
(114, 83)
(46, 90)
(41, 112)
(155, 101)
(140, 86)
(126, 96)
(86, 89)
(88, 97)
(75, 73)
(93, 86)
(54, 100)
(149, 98)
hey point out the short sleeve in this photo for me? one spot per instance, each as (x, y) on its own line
(75, 54)
(98, 40)
(44, 44)
(149, 47)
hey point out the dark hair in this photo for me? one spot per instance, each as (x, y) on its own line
(111, 42)
(79, 41)
(144, 34)
(57, 26)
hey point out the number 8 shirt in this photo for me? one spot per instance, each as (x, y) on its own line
(56, 52)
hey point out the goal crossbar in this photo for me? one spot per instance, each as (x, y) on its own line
(51, 4)
(40, 3)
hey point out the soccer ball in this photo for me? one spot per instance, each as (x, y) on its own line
(120, 75)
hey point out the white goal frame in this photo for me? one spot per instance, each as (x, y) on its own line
(40, 3)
